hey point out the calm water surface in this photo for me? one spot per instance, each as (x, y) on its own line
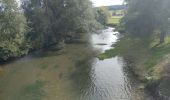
(73, 73)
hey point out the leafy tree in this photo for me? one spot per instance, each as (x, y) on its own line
(37, 21)
(52, 20)
(163, 15)
(12, 30)
(102, 15)
(145, 16)
(140, 21)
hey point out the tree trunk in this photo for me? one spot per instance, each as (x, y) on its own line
(162, 37)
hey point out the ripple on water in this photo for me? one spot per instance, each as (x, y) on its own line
(72, 74)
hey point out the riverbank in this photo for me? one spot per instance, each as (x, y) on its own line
(150, 63)
(73, 73)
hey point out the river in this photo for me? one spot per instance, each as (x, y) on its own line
(73, 73)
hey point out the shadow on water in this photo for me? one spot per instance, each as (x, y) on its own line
(73, 73)
(109, 79)
(81, 77)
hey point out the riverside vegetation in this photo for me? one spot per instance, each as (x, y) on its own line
(144, 41)
(41, 23)
(145, 44)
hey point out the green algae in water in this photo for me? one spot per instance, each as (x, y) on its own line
(56, 66)
(32, 92)
(44, 66)
(60, 75)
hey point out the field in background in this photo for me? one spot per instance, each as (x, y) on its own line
(114, 20)
(115, 16)
(116, 12)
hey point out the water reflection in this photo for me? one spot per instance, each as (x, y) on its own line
(107, 79)
(104, 39)
(73, 73)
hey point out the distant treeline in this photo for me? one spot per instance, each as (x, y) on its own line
(117, 7)
(114, 7)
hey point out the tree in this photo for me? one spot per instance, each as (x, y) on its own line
(140, 21)
(52, 20)
(13, 27)
(163, 15)
(145, 16)
(35, 13)
(102, 15)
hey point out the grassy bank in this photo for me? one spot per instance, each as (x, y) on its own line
(149, 62)
(114, 20)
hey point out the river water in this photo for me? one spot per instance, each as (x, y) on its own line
(73, 73)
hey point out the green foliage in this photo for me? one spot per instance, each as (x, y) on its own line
(139, 16)
(146, 60)
(102, 16)
(133, 50)
(47, 22)
(145, 45)
(114, 20)
(145, 16)
(12, 31)
(157, 53)
(52, 20)
(147, 20)
(33, 91)
(115, 17)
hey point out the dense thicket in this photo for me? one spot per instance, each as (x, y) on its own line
(13, 29)
(142, 46)
(41, 23)
(144, 17)
(102, 15)
(52, 20)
